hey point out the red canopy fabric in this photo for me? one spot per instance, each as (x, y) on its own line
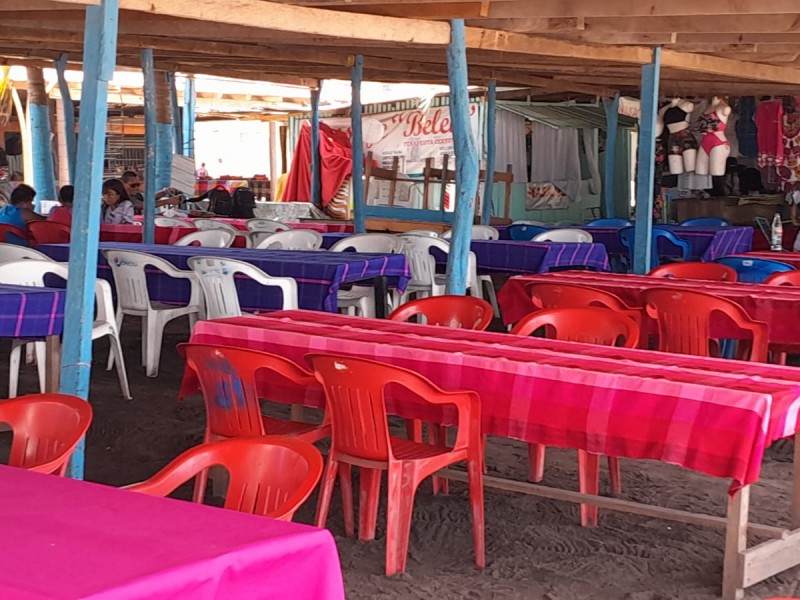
(336, 157)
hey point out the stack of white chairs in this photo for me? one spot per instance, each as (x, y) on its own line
(422, 264)
(568, 235)
(208, 238)
(295, 239)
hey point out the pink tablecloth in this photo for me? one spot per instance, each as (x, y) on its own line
(685, 410)
(779, 307)
(164, 235)
(71, 539)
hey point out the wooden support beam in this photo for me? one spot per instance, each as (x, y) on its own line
(611, 107)
(100, 50)
(164, 140)
(316, 164)
(69, 115)
(491, 152)
(189, 103)
(150, 144)
(467, 168)
(651, 74)
(44, 172)
(175, 113)
(357, 138)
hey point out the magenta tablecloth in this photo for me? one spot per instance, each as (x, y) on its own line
(31, 312)
(67, 539)
(694, 412)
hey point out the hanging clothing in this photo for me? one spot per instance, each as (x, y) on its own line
(769, 121)
(746, 130)
(555, 159)
(789, 171)
(511, 145)
(732, 134)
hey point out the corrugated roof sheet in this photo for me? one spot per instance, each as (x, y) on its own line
(562, 116)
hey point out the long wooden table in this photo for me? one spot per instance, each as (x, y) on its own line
(694, 412)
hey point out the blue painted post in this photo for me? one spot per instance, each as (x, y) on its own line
(69, 115)
(177, 126)
(611, 107)
(316, 165)
(164, 142)
(357, 137)
(99, 51)
(646, 165)
(150, 138)
(188, 116)
(44, 171)
(467, 170)
(491, 151)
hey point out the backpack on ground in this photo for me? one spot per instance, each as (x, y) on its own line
(220, 202)
(244, 202)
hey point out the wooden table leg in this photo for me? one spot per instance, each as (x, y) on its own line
(796, 484)
(52, 363)
(735, 544)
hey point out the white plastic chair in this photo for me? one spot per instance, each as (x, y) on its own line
(29, 272)
(578, 236)
(361, 298)
(12, 252)
(265, 225)
(422, 264)
(479, 232)
(206, 224)
(209, 238)
(217, 280)
(425, 232)
(537, 223)
(295, 239)
(170, 222)
(133, 298)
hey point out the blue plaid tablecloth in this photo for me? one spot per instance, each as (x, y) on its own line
(31, 312)
(319, 275)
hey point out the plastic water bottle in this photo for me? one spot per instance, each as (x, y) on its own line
(776, 243)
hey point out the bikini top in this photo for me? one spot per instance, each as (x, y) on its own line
(710, 122)
(674, 114)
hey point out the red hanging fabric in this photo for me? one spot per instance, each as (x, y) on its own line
(336, 158)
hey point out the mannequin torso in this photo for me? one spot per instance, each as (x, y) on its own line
(714, 147)
(682, 143)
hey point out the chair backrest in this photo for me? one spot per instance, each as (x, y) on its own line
(12, 252)
(589, 325)
(46, 428)
(227, 379)
(421, 263)
(525, 233)
(425, 232)
(627, 235)
(171, 222)
(564, 295)
(613, 222)
(705, 222)
(524, 222)
(705, 271)
(13, 235)
(208, 238)
(565, 235)
(479, 232)
(30, 272)
(206, 224)
(266, 225)
(461, 312)
(354, 394)
(269, 476)
(294, 239)
(49, 232)
(382, 243)
(754, 270)
(130, 280)
(684, 321)
(785, 278)
(217, 280)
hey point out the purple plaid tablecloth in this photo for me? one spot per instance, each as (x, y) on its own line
(318, 274)
(31, 312)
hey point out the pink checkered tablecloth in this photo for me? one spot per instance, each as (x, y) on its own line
(694, 412)
(777, 306)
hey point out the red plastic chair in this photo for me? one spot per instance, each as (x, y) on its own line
(269, 476)
(46, 428)
(702, 271)
(684, 322)
(591, 325)
(49, 232)
(563, 295)
(355, 389)
(787, 278)
(14, 235)
(461, 312)
(228, 381)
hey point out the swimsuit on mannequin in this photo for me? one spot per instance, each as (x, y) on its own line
(714, 147)
(681, 143)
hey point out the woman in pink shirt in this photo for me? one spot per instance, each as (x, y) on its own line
(63, 213)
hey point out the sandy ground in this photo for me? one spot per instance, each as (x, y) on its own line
(535, 547)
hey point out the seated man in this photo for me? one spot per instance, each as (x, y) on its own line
(133, 186)
(20, 212)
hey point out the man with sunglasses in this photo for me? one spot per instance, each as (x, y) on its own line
(133, 185)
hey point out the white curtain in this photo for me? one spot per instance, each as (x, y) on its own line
(554, 154)
(511, 149)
